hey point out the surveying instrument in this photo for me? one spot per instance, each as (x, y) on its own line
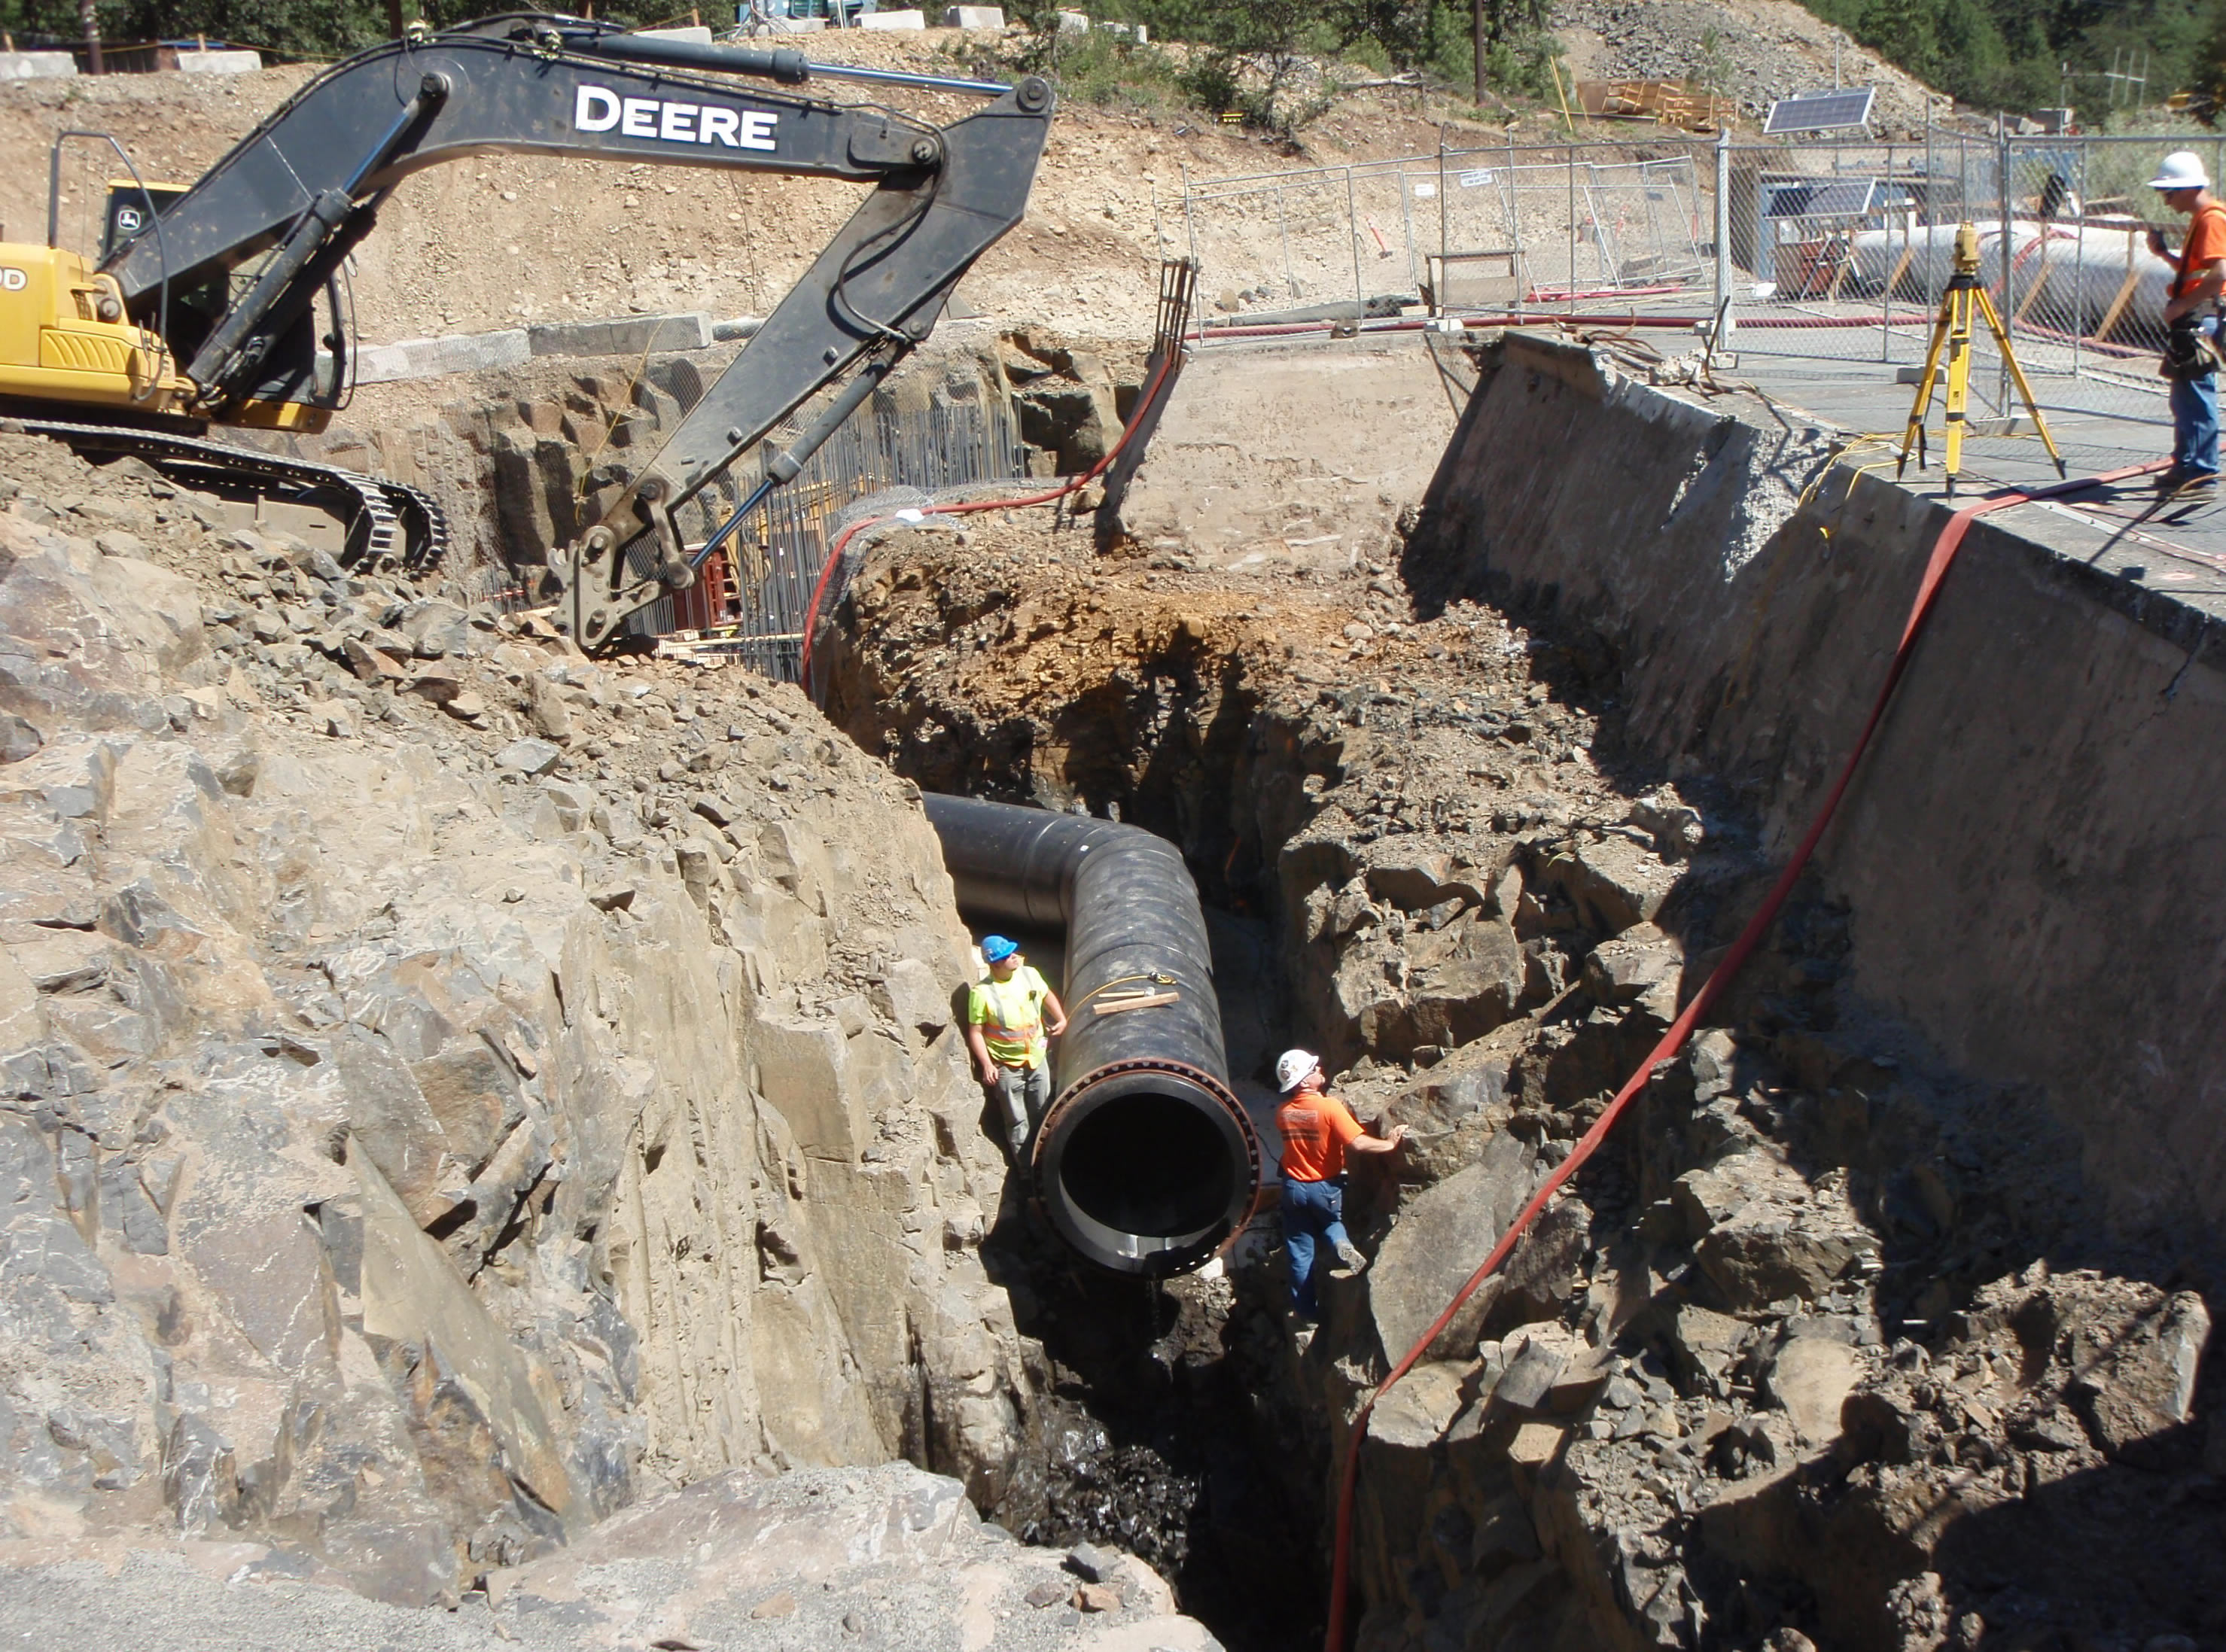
(1952, 331)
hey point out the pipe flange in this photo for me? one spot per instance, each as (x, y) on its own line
(1111, 1205)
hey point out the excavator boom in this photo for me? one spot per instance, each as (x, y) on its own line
(305, 187)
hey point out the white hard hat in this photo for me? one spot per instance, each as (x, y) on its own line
(2182, 169)
(1292, 1066)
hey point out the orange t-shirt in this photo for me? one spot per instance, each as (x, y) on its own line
(1315, 1128)
(2206, 245)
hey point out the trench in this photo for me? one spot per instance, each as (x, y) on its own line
(1159, 1430)
(1171, 1424)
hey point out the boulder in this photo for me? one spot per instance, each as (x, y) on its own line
(1766, 1234)
(911, 998)
(1463, 981)
(1704, 1347)
(531, 758)
(1641, 967)
(1614, 883)
(473, 1093)
(1548, 1265)
(87, 639)
(830, 1555)
(1810, 1378)
(436, 629)
(1439, 1238)
(2135, 1373)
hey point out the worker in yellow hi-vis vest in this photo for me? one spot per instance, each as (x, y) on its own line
(1008, 1019)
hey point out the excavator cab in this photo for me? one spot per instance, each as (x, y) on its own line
(67, 341)
(305, 378)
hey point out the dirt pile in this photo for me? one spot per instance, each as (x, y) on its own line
(455, 1090)
(1753, 51)
(1828, 1347)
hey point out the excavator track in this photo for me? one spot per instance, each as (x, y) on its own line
(390, 524)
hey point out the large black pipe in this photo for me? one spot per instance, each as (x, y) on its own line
(1146, 1162)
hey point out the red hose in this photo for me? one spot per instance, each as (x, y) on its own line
(1072, 485)
(1943, 554)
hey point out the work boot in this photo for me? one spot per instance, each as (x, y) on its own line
(1350, 1260)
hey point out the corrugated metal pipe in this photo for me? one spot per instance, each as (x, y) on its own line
(1145, 1163)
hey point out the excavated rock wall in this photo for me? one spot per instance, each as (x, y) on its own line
(451, 1089)
(524, 460)
(2020, 857)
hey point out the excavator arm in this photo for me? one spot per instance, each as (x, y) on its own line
(305, 188)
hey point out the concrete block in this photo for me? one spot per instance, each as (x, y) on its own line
(1074, 23)
(230, 62)
(623, 335)
(36, 65)
(1140, 33)
(892, 20)
(458, 352)
(694, 33)
(974, 17)
(793, 25)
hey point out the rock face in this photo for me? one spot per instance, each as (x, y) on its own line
(880, 1557)
(428, 1123)
(534, 456)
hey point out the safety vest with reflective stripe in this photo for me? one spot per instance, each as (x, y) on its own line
(1010, 1015)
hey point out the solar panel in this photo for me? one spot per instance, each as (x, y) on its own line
(1820, 112)
(1825, 198)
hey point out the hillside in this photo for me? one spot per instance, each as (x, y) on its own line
(1752, 50)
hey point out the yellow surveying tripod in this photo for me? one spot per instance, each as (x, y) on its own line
(1952, 330)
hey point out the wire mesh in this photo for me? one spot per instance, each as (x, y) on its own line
(1586, 228)
(750, 603)
(1842, 252)
(1825, 251)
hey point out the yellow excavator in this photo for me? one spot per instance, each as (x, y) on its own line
(222, 303)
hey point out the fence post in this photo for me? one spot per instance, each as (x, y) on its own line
(1569, 282)
(2079, 269)
(1406, 222)
(2008, 204)
(1352, 238)
(1724, 319)
(1445, 228)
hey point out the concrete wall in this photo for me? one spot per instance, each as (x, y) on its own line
(2031, 853)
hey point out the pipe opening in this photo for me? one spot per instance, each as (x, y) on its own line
(1149, 1165)
(1145, 1171)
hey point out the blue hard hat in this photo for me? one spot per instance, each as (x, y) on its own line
(996, 949)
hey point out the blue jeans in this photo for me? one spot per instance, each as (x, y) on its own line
(1025, 1092)
(2195, 421)
(1314, 1227)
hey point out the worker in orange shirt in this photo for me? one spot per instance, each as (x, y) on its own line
(1318, 1131)
(2192, 321)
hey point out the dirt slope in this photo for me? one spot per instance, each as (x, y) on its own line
(507, 240)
